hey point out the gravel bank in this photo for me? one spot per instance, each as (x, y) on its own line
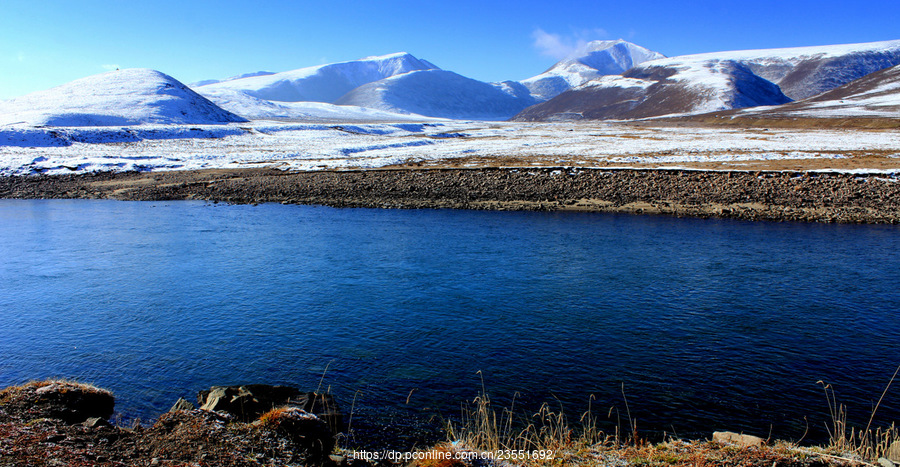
(795, 196)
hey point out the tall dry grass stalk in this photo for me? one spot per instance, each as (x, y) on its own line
(484, 427)
(866, 443)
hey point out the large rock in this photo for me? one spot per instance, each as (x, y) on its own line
(737, 439)
(68, 401)
(249, 402)
(246, 402)
(182, 404)
(309, 433)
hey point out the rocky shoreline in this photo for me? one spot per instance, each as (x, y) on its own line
(759, 195)
(60, 422)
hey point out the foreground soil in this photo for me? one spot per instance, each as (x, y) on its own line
(64, 423)
(758, 195)
(200, 438)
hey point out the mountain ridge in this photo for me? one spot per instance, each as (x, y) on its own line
(401, 86)
(442, 94)
(702, 83)
(324, 83)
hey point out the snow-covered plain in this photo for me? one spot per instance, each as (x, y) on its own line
(298, 146)
(253, 108)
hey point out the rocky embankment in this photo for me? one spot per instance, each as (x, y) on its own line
(64, 423)
(67, 423)
(800, 196)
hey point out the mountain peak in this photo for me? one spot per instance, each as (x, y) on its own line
(589, 62)
(594, 46)
(324, 83)
(610, 57)
(404, 55)
(130, 96)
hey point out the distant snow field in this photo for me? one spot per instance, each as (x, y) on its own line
(28, 150)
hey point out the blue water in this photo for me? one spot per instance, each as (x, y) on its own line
(707, 324)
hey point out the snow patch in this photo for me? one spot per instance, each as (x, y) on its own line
(300, 146)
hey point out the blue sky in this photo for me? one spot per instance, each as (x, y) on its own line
(47, 43)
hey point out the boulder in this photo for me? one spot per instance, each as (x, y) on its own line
(182, 404)
(737, 439)
(309, 433)
(68, 401)
(95, 422)
(249, 402)
(246, 402)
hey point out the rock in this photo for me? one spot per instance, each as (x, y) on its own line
(95, 422)
(744, 441)
(886, 462)
(308, 432)
(246, 402)
(249, 402)
(70, 402)
(182, 404)
(893, 452)
(321, 405)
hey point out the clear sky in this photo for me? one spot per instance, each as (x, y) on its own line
(44, 43)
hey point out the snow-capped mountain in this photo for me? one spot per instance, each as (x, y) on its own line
(442, 94)
(693, 84)
(649, 91)
(122, 97)
(874, 95)
(803, 72)
(323, 83)
(241, 76)
(254, 108)
(591, 61)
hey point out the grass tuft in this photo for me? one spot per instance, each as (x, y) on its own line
(864, 443)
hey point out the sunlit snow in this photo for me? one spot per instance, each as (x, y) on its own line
(294, 146)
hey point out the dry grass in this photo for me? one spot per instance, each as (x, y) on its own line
(511, 437)
(867, 443)
(273, 418)
(730, 118)
(546, 438)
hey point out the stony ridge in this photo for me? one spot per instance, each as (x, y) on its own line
(799, 196)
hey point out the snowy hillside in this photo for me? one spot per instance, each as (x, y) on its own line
(241, 76)
(874, 95)
(590, 62)
(324, 83)
(692, 84)
(442, 94)
(803, 72)
(122, 97)
(650, 91)
(253, 108)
